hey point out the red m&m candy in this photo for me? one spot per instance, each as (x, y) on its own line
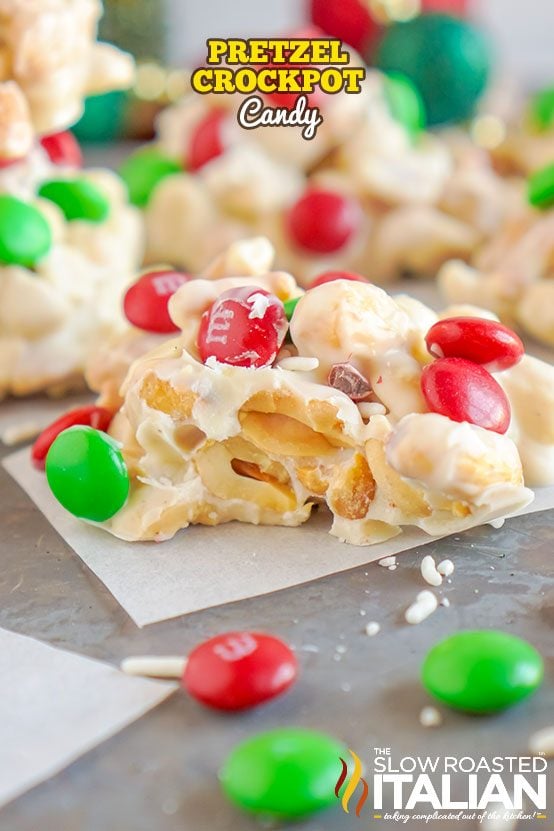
(243, 327)
(90, 416)
(323, 221)
(206, 142)
(145, 302)
(464, 391)
(331, 276)
(239, 670)
(63, 149)
(484, 342)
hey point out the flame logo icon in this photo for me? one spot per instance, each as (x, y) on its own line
(353, 783)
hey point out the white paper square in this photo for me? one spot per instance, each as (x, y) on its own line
(204, 567)
(56, 706)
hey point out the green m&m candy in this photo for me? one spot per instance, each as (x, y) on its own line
(447, 60)
(288, 772)
(542, 108)
(144, 170)
(87, 474)
(405, 103)
(540, 187)
(482, 671)
(290, 306)
(25, 235)
(77, 199)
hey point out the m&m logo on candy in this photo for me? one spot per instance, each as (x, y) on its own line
(146, 302)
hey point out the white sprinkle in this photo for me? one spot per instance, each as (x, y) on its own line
(476, 591)
(446, 568)
(429, 571)
(499, 823)
(363, 612)
(372, 628)
(424, 605)
(213, 363)
(170, 666)
(388, 561)
(298, 364)
(345, 686)
(341, 649)
(371, 408)
(17, 433)
(309, 647)
(393, 568)
(430, 717)
(445, 602)
(542, 742)
(258, 305)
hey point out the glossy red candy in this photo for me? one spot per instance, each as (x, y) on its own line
(145, 302)
(238, 670)
(464, 391)
(322, 221)
(63, 149)
(97, 417)
(347, 20)
(243, 327)
(331, 276)
(206, 142)
(484, 342)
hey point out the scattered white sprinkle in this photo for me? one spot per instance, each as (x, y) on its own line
(258, 305)
(424, 605)
(363, 612)
(309, 647)
(298, 364)
(492, 568)
(212, 363)
(340, 648)
(475, 591)
(372, 628)
(430, 717)
(542, 742)
(371, 408)
(392, 568)
(500, 823)
(17, 433)
(449, 580)
(386, 562)
(446, 568)
(445, 602)
(345, 686)
(429, 571)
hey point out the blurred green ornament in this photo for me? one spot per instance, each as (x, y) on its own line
(542, 108)
(144, 170)
(447, 59)
(405, 103)
(103, 118)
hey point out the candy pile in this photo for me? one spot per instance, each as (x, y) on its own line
(69, 241)
(269, 401)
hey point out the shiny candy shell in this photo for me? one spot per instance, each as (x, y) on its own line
(25, 235)
(243, 327)
(145, 302)
(206, 142)
(286, 773)
(405, 103)
(541, 187)
(464, 391)
(63, 149)
(484, 342)
(87, 474)
(97, 417)
(238, 670)
(77, 199)
(482, 671)
(323, 221)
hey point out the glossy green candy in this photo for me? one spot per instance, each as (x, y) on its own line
(288, 772)
(542, 108)
(25, 235)
(482, 671)
(541, 187)
(446, 58)
(290, 306)
(87, 474)
(405, 103)
(77, 199)
(144, 170)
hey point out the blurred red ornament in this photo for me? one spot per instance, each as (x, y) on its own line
(348, 20)
(449, 6)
